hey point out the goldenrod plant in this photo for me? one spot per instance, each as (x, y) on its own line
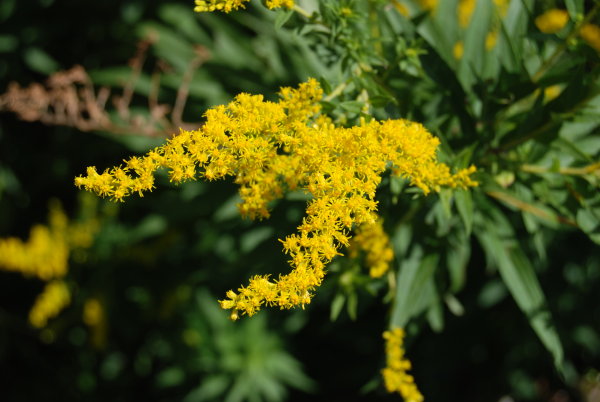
(317, 200)
(45, 255)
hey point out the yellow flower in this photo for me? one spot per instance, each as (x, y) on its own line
(371, 239)
(270, 148)
(502, 6)
(458, 50)
(552, 21)
(401, 8)
(552, 92)
(591, 34)
(428, 4)
(490, 40)
(465, 11)
(279, 3)
(395, 376)
(49, 303)
(95, 318)
(227, 6)
(46, 253)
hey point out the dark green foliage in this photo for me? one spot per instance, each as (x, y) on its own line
(497, 287)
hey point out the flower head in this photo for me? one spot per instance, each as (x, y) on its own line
(270, 148)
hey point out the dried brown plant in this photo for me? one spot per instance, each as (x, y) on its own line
(69, 98)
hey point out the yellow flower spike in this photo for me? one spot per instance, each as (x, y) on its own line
(371, 239)
(395, 376)
(552, 21)
(54, 298)
(270, 148)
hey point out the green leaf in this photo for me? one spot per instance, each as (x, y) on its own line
(212, 387)
(575, 8)
(180, 17)
(457, 258)
(40, 61)
(471, 65)
(513, 29)
(413, 281)
(464, 204)
(282, 16)
(352, 106)
(170, 377)
(520, 278)
(435, 312)
(352, 305)
(336, 306)
(587, 220)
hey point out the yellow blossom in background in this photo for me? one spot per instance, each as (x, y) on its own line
(591, 34)
(227, 6)
(552, 92)
(490, 40)
(45, 254)
(552, 21)
(401, 8)
(465, 11)
(458, 50)
(502, 6)
(271, 148)
(95, 318)
(428, 4)
(49, 303)
(371, 239)
(395, 376)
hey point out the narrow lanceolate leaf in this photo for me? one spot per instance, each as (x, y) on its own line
(413, 292)
(520, 278)
(575, 8)
(464, 204)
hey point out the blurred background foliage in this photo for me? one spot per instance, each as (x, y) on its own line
(497, 288)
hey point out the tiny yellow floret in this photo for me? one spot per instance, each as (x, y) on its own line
(552, 21)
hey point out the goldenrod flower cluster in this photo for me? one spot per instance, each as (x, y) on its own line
(227, 6)
(270, 148)
(45, 255)
(552, 20)
(49, 303)
(371, 239)
(591, 34)
(395, 376)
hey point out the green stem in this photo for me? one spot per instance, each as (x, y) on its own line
(301, 11)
